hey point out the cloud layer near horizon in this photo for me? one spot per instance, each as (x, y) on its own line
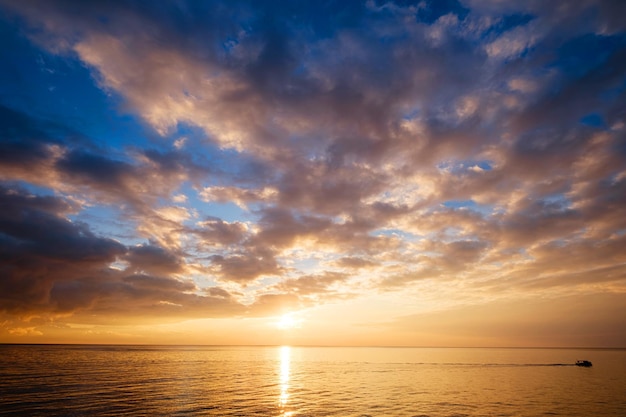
(291, 155)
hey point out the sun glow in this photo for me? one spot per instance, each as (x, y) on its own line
(288, 321)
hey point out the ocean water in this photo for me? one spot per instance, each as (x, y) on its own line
(88, 380)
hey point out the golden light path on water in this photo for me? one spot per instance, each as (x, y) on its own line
(92, 380)
(285, 362)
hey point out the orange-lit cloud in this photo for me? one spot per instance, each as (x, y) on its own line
(452, 159)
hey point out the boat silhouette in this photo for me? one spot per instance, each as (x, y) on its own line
(584, 363)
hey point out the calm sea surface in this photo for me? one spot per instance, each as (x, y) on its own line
(308, 381)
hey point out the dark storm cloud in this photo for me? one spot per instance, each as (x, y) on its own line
(50, 265)
(139, 181)
(36, 225)
(176, 163)
(40, 247)
(21, 142)
(28, 145)
(138, 298)
(50, 154)
(90, 168)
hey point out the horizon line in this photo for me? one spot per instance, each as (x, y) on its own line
(314, 346)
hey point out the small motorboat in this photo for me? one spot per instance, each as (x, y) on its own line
(586, 364)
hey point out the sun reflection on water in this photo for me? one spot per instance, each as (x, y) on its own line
(285, 362)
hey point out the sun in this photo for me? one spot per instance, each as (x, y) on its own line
(287, 321)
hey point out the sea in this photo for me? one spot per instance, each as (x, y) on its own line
(107, 380)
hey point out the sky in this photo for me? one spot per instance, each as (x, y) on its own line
(407, 173)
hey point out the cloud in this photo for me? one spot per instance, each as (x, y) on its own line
(241, 197)
(266, 304)
(247, 266)
(477, 143)
(153, 259)
(216, 232)
(90, 168)
(310, 285)
(354, 262)
(53, 267)
(40, 247)
(513, 43)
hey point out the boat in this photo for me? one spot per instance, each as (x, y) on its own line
(586, 364)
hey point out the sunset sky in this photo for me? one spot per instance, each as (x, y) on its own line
(427, 173)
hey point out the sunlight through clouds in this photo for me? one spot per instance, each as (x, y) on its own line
(414, 167)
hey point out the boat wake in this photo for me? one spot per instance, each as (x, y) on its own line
(495, 365)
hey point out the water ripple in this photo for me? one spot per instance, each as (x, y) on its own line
(190, 381)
